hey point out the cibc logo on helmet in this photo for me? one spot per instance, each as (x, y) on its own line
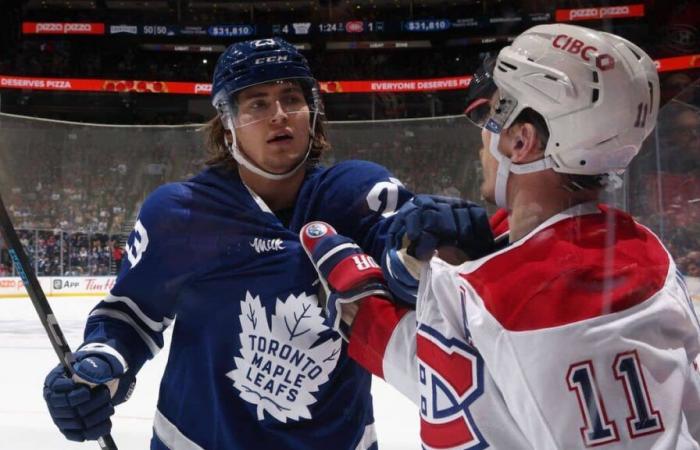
(577, 47)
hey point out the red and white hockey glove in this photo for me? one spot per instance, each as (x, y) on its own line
(346, 272)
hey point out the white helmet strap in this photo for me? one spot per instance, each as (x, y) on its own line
(241, 158)
(506, 167)
(503, 171)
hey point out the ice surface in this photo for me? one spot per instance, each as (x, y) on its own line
(27, 356)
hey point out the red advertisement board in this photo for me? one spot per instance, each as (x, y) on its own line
(422, 85)
(173, 87)
(678, 63)
(62, 28)
(606, 12)
(327, 87)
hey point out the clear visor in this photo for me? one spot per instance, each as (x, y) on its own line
(492, 112)
(279, 99)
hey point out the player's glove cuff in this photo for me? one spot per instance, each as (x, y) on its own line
(96, 363)
(346, 273)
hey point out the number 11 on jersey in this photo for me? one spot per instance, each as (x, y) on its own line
(598, 429)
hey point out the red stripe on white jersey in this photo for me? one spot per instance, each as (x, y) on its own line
(372, 329)
(576, 269)
(448, 435)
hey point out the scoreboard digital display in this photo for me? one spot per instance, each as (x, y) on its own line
(246, 30)
(422, 26)
(243, 30)
(351, 27)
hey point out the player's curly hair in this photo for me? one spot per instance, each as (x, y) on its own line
(218, 153)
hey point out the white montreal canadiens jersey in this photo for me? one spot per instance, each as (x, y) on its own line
(580, 335)
(251, 364)
(586, 331)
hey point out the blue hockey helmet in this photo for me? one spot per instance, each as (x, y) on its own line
(248, 63)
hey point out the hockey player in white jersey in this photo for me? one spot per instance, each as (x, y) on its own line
(578, 332)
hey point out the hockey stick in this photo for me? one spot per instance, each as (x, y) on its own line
(41, 304)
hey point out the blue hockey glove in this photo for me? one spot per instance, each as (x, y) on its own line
(424, 224)
(346, 272)
(81, 405)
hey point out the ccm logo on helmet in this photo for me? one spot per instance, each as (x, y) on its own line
(271, 59)
(585, 51)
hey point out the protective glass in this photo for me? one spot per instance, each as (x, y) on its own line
(263, 102)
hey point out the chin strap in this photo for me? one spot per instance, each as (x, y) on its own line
(241, 158)
(506, 167)
(503, 171)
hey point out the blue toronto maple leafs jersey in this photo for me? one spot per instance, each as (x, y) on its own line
(251, 364)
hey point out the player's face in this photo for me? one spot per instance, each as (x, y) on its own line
(489, 166)
(273, 128)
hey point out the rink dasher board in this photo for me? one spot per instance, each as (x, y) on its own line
(12, 287)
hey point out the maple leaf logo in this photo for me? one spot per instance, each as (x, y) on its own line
(280, 367)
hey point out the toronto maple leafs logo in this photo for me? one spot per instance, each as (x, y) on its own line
(280, 368)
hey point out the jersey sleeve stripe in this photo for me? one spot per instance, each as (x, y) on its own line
(333, 251)
(158, 327)
(168, 433)
(369, 438)
(118, 315)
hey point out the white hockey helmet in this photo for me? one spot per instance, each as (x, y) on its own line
(598, 94)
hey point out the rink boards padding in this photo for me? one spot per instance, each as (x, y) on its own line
(13, 287)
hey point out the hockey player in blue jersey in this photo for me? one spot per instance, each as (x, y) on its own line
(251, 364)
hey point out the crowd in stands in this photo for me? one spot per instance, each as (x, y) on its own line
(78, 188)
(72, 254)
(667, 171)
